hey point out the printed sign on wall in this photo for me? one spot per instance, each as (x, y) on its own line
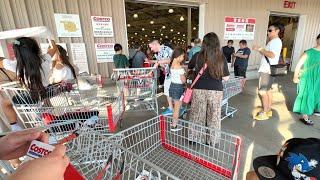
(68, 25)
(102, 26)
(104, 52)
(79, 55)
(239, 28)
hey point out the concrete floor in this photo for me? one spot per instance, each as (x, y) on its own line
(259, 137)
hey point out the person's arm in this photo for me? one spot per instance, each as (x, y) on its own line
(298, 67)
(183, 76)
(263, 51)
(244, 56)
(52, 48)
(1, 62)
(233, 59)
(127, 64)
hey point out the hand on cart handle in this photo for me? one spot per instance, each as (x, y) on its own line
(51, 167)
(16, 144)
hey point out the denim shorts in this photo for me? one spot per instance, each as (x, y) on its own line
(176, 91)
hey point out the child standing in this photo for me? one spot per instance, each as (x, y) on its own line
(178, 79)
(119, 59)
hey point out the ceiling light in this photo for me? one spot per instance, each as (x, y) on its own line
(135, 16)
(179, 39)
(153, 32)
(163, 27)
(151, 22)
(170, 11)
(128, 25)
(145, 35)
(171, 30)
(140, 39)
(135, 33)
(174, 37)
(160, 38)
(194, 28)
(181, 18)
(166, 36)
(178, 32)
(131, 37)
(142, 29)
(161, 34)
(183, 35)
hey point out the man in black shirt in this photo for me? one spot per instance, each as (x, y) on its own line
(240, 60)
(228, 50)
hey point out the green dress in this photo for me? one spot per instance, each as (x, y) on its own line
(308, 99)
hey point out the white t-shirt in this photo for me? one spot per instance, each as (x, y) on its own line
(62, 74)
(175, 75)
(275, 45)
(11, 65)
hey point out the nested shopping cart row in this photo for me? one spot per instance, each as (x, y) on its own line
(231, 88)
(149, 150)
(140, 88)
(64, 102)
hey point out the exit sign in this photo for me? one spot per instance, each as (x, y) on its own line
(289, 4)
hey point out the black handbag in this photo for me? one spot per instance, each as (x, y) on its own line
(278, 69)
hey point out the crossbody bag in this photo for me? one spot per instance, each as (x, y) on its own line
(187, 95)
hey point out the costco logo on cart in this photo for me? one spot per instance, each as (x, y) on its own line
(38, 149)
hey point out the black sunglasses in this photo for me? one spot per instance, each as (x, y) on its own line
(270, 30)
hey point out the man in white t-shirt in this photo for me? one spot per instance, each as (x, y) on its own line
(272, 52)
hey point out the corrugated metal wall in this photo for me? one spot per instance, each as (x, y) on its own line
(29, 13)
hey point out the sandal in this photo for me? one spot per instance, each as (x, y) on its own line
(308, 121)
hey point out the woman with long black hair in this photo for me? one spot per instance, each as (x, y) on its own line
(62, 69)
(208, 90)
(32, 69)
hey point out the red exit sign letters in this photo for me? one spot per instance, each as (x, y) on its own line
(289, 4)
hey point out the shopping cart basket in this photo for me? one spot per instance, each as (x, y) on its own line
(151, 150)
(64, 102)
(87, 149)
(139, 86)
(231, 88)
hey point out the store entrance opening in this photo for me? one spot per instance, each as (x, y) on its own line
(287, 35)
(172, 24)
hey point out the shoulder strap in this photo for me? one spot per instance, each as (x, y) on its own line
(199, 75)
(4, 72)
(267, 59)
(134, 55)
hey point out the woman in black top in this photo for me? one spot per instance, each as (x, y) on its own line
(208, 90)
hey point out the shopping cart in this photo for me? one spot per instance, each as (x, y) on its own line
(151, 151)
(139, 86)
(87, 149)
(231, 88)
(66, 101)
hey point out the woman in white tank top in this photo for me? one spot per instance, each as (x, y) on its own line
(62, 70)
